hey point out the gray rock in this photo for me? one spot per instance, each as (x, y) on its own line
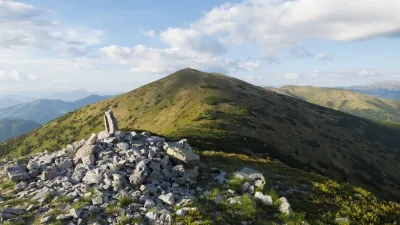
(251, 174)
(20, 186)
(221, 177)
(123, 146)
(235, 200)
(103, 135)
(167, 198)
(85, 154)
(97, 200)
(155, 166)
(265, 199)
(245, 186)
(341, 220)
(149, 204)
(17, 173)
(46, 219)
(139, 175)
(110, 122)
(92, 140)
(78, 174)
(181, 151)
(64, 217)
(75, 212)
(155, 175)
(32, 165)
(284, 206)
(49, 173)
(92, 178)
(179, 170)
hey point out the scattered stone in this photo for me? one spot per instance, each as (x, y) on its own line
(265, 199)
(182, 152)
(17, 173)
(341, 220)
(168, 198)
(284, 206)
(46, 219)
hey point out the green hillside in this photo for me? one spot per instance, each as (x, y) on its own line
(370, 107)
(217, 112)
(14, 127)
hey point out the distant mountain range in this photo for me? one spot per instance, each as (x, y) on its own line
(70, 96)
(45, 110)
(367, 106)
(384, 89)
(14, 127)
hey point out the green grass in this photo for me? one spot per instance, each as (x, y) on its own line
(236, 184)
(124, 201)
(326, 201)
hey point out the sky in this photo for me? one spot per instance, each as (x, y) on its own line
(110, 46)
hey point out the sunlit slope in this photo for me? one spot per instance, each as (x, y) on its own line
(219, 112)
(362, 105)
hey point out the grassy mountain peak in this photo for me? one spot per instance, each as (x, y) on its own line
(218, 112)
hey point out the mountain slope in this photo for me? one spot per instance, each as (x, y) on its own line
(69, 96)
(89, 100)
(14, 127)
(385, 89)
(366, 106)
(44, 110)
(6, 102)
(218, 112)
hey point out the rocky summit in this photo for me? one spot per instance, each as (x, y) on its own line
(117, 177)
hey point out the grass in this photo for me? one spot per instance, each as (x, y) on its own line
(8, 184)
(326, 199)
(81, 203)
(236, 184)
(125, 201)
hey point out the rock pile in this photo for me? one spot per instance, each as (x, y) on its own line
(117, 177)
(113, 170)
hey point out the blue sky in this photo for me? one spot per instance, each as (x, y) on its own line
(116, 46)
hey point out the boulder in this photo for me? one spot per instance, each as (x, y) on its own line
(85, 154)
(103, 135)
(167, 198)
(110, 122)
(139, 175)
(284, 206)
(92, 178)
(17, 173)
(265, 199)
(250, 174)
(182, 152)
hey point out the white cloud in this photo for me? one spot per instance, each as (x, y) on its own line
(369, 73)
(275, 24)
(16, 76)
(149, 33)
(167, 60)
(24, 26)
(301, 53)
(292, 76)
(192, 40)
(116, 52)
(322, 56)
(31, 76)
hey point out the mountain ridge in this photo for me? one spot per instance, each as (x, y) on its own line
(226, 114)
(14, 127)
